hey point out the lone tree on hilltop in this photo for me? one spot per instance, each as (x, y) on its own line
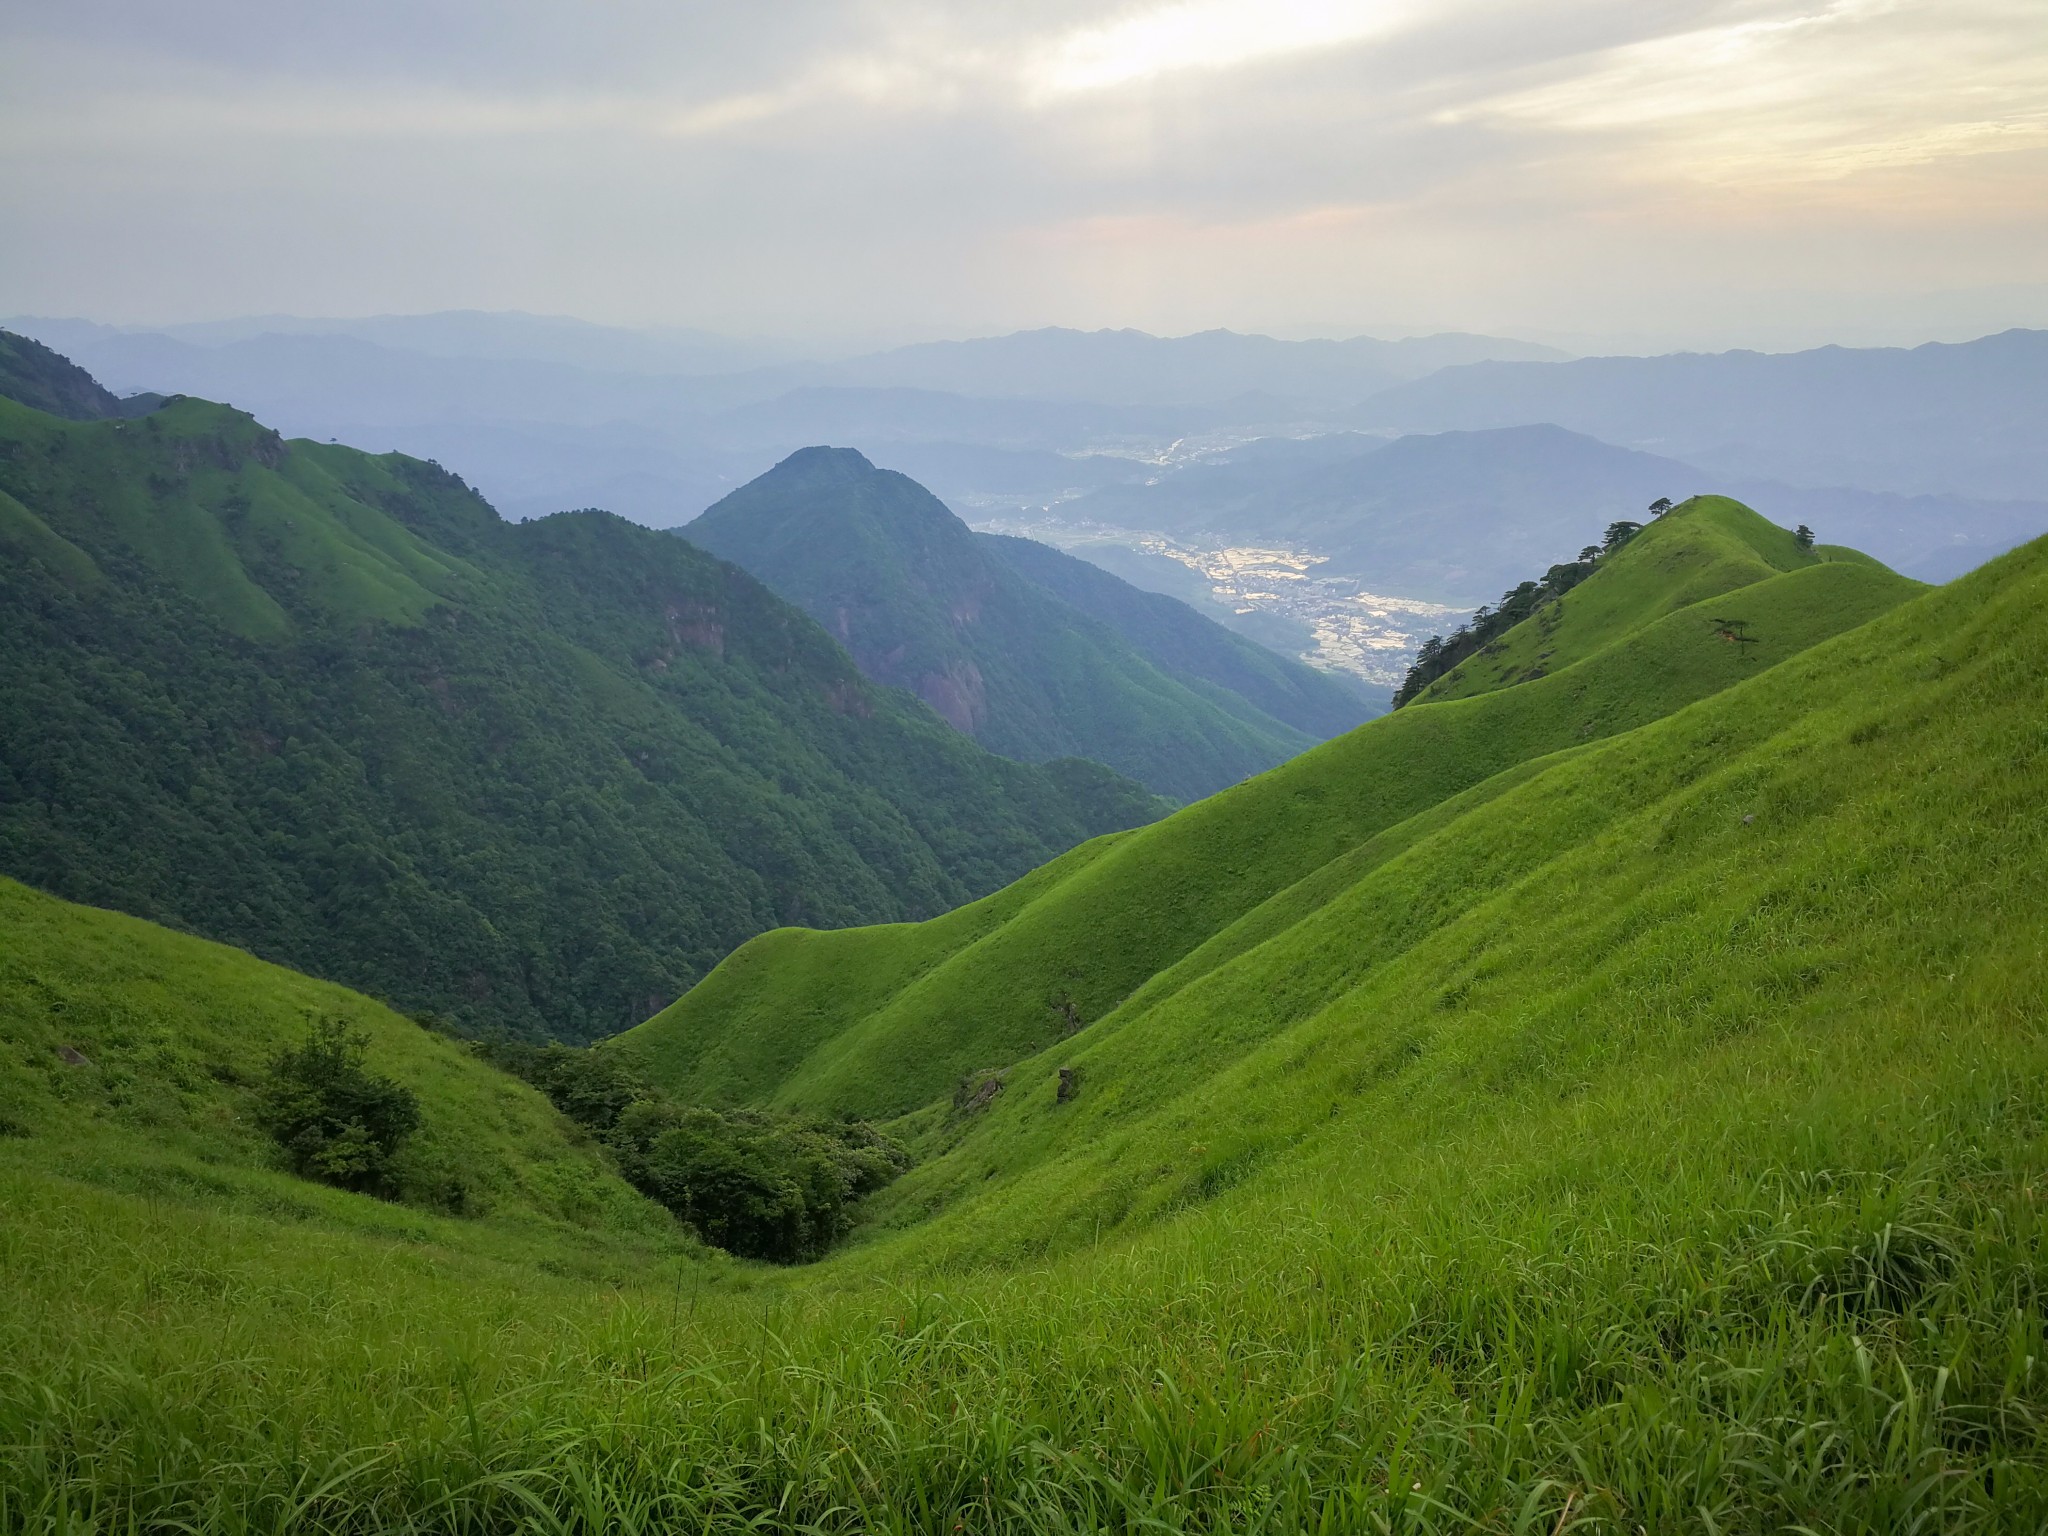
(1803, 536)
(1660, 506)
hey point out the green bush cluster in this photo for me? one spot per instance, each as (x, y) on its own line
(336, 1120)
(758, 1184)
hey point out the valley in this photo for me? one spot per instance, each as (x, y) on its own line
(1282, 597)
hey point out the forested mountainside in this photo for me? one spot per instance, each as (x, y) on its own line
(541, 776)
(31, 374)
(922, 602)
(880, 1021)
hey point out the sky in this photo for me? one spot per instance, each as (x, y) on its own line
(1622, 173)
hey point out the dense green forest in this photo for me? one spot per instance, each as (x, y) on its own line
(1030, 658)
(535, 776)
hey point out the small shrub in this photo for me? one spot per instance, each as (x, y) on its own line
(590, 1087)
(758, 1184)
(336, 1121)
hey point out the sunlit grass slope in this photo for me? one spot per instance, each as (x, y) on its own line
(1649, 1139)
(1704, 547)
(216, 505)
(131, 1058)
(878, 1021)
(1769, 876)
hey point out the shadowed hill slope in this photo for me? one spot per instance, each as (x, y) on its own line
(883, 1020)
(36, 376)
(539, 776)
(923, 603)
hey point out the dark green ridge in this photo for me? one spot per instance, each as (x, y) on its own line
(879, 1021)
(48, 381)
(925, 604)
(538, 777)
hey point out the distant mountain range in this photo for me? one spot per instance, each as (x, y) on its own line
(1033, 653)
(480, 335)
(545, 413)
(1129, 367)
(1929, 456)
(1941, 419)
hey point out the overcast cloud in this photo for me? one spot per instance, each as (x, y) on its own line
(1709, 171)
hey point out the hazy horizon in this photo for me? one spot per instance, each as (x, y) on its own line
(829, 346)
(1596, 175)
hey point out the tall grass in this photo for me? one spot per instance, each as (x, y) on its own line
(1574, 1322)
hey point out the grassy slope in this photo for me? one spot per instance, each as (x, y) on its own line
(1761, 864)
(1651, 1141)
(218, 506)
(883, 1020)
(1724, 546)
(177, 1033)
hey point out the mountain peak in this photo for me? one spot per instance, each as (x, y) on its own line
(839, 463)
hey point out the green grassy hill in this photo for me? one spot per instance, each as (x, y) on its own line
(1715, 546)
(924, 603)
(880, 1021)
(131, 1059)
(537, 776)
(1643, 1132)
